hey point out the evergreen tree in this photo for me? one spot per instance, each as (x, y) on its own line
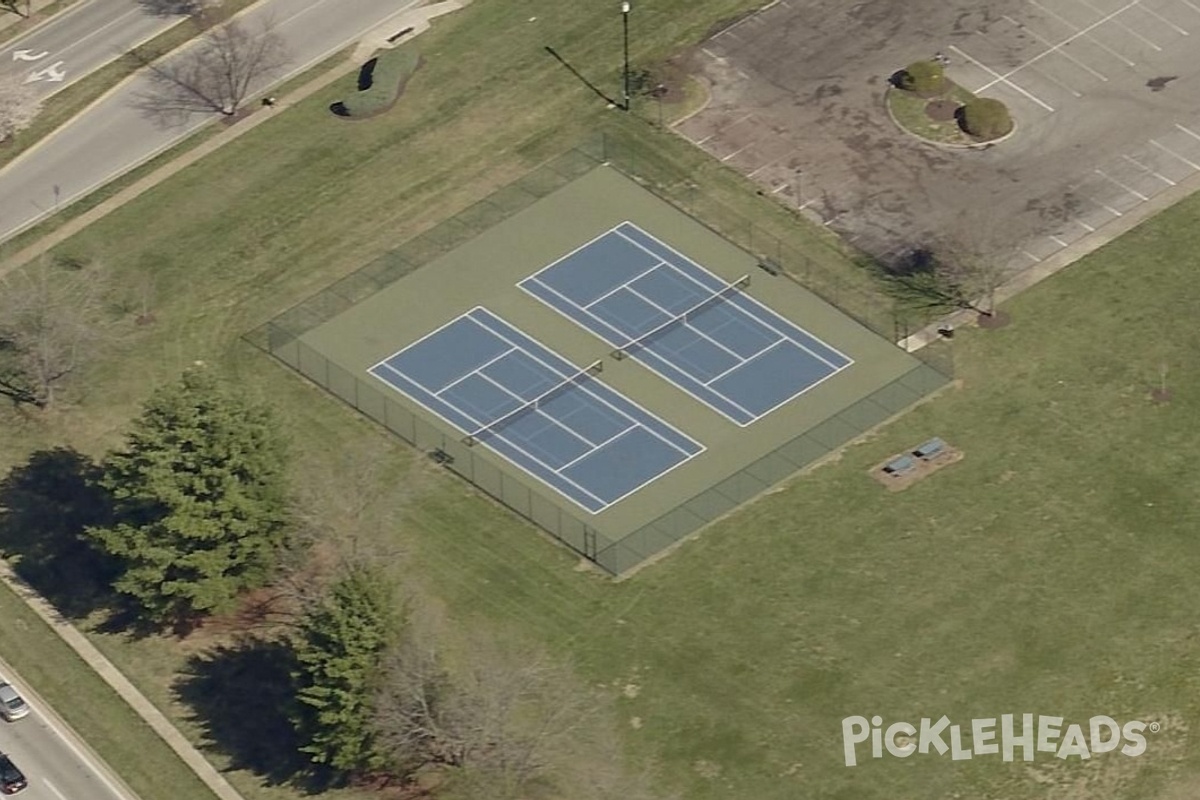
(340, 650)
(199, 499)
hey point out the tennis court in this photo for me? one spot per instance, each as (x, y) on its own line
(705, 336)
(505, 390)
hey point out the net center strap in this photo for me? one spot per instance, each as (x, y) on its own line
(583, 374)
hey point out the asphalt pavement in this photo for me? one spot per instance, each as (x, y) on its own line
(80, 40)
(114, 136)
(56, 763)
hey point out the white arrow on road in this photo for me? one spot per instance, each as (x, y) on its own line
(52, 73)
(29, 55)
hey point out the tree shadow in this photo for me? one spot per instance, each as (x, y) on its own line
(241, 696)
(45, 507)
(366, 75)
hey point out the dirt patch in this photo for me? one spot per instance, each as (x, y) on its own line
(918, 470)
(941, 110)
(994, 320)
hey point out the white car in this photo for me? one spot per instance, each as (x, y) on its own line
(12, 705)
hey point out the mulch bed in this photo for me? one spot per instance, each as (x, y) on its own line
(997, 319)
(941, 110)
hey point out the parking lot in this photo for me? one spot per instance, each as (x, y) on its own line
(1104, 92)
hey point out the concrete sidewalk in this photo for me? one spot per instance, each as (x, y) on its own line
(120, 684)
(418, 20)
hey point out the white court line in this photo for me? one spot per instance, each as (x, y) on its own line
(1142, 166)
(457, 380)
(1133, 192)
(1165, 21)
(723, 373)
(1068, 40)
(764, 320)
(1093, 39)
(583, 387)
(537, 409)
(687, 324)
(595, 447)
(1046, 41)
(1118, 22)
(610, 292)
(1169, 151)
(1188, 131)
(999, 78)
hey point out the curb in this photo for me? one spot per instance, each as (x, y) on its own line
(951, 146)
(157, 721)
(73, 740)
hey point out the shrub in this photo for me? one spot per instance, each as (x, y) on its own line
(380, 82)
(985, 118)
(923, 77)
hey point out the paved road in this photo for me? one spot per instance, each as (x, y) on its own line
(114, 136)
(80, 40)
(51, 757)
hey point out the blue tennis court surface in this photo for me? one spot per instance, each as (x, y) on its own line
(692, 328)
(505, 390)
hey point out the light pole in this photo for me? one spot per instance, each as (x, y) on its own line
(625, 73)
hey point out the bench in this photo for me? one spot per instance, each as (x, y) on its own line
(930, 449)
(899, 465)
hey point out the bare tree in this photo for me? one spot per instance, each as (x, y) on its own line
(19, 7)
(52, 319)
(19, 105)
(497, 723)
(215, 74)
(972, 260)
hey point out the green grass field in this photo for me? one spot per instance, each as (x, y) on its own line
(1051, 572)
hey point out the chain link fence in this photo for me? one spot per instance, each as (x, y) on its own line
(281, 338)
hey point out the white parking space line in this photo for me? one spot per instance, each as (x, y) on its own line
(1191, 5)
(1083, 225)
(1090, 38)
(1133, 192)
(1163, 20)
(1119, 23)
(1047, 42)
(1171, 152)
(998, 78)
(1068, 40)
(1103, 205)
(1142, 166)
(1057, 240)
(1188, 131)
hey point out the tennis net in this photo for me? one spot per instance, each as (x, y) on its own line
(717, 296)
(574, 380)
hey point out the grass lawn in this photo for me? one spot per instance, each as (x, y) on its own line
(391, 70)
(908, 110)
(94, 710)
(64, 105)
(1051, 572)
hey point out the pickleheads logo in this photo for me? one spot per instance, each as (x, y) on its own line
(1045, 735)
